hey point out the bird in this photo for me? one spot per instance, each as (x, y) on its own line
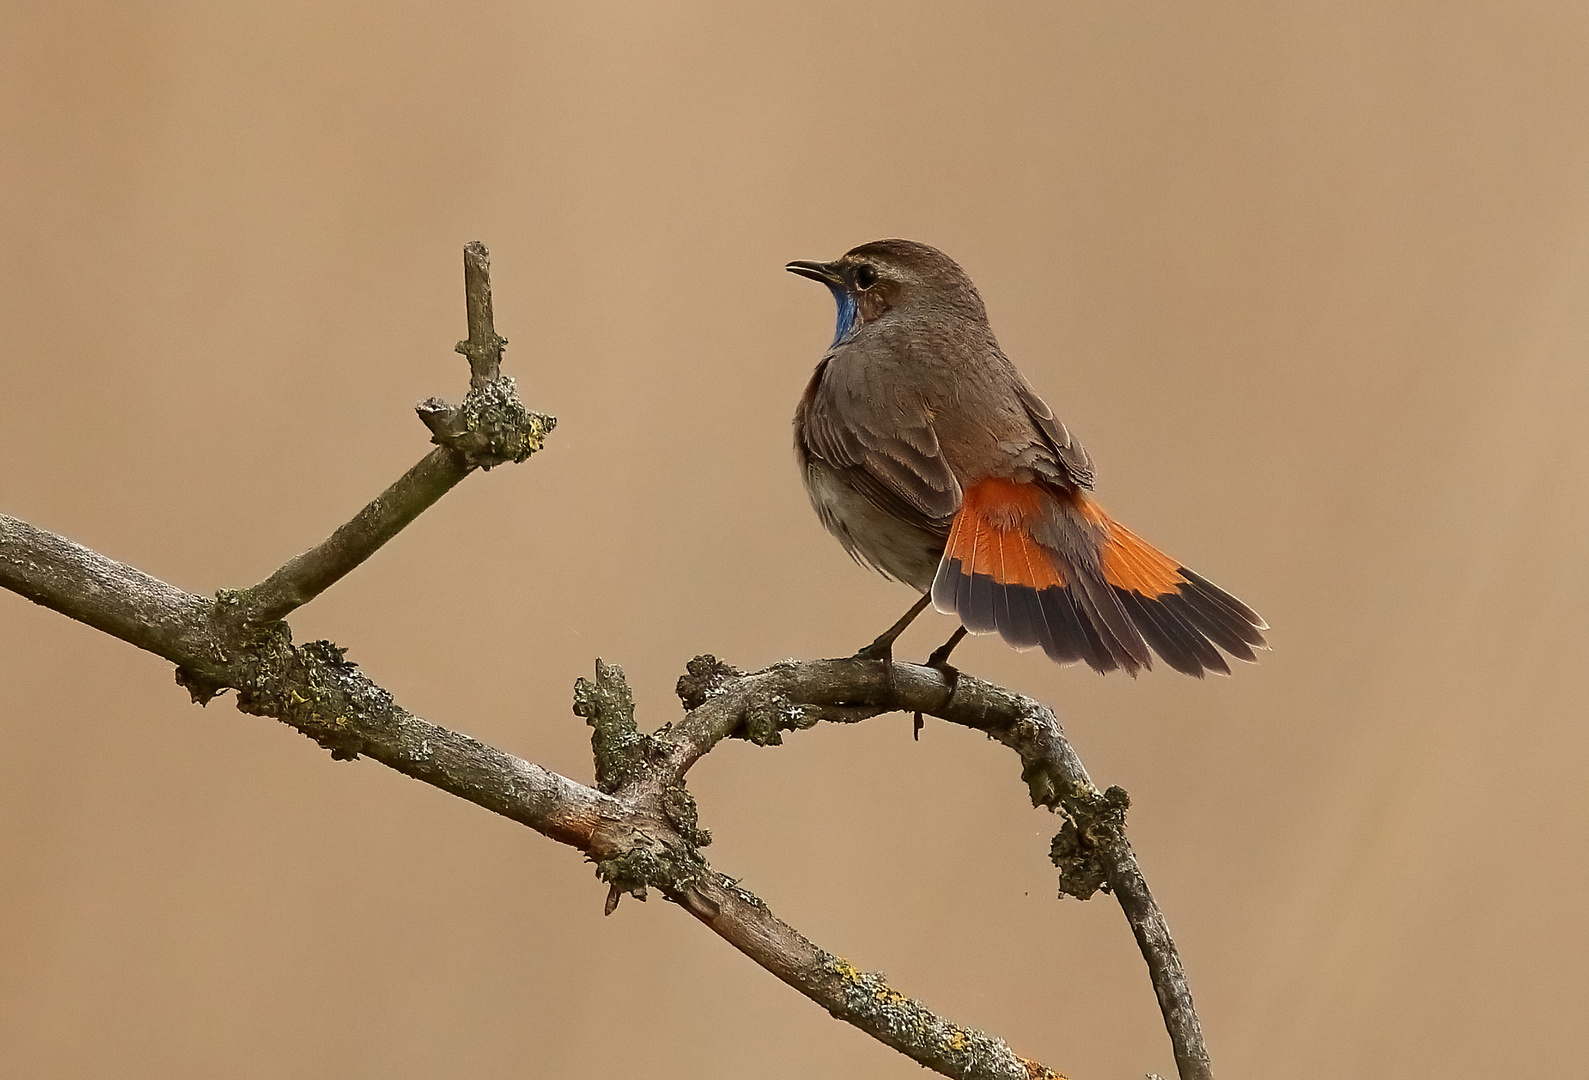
(932, 460)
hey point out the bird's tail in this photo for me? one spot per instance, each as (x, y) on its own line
(1045, 566)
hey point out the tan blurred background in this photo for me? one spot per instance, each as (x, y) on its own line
(1310, 281)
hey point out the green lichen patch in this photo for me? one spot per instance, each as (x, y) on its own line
(1081, 874)
(678, 806)
(491, 427)
(760, 725)
(767, 716)
(625, 758)
(905, 1022)
(622, 753)
(508, 431)
(314, 688)
(646, 862)
(1074, 851)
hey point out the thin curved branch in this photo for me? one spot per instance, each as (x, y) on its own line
(861, 998)
(1092, 850)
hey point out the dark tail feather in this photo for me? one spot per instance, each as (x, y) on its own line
(1212, 626)
(1215, 601)
(1072, 634)
(1168, 640)
(1111, 622)
(1113, 607)
(1185, 617)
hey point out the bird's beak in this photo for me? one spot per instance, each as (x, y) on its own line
(816, 271)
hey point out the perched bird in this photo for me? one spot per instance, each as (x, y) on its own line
(933, 461)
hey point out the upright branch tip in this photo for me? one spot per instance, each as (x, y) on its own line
(483, 346)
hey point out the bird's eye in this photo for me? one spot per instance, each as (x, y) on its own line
(865, 277)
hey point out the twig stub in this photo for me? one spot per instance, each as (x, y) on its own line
(492, 426)
(484, 345)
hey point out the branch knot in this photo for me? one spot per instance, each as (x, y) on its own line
(623, 755)
(491, 427)
(313, 687)
(631, 765)
(1076, 851)
(704, 677)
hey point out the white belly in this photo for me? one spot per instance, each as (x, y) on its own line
(872, 537)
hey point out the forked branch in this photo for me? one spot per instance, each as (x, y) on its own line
(639, 823)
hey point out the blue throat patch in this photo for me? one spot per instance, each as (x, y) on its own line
(847, 313)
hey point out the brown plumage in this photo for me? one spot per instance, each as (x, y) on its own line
(932, 460)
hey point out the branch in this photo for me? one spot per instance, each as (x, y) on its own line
(484, 347)
(1091, 850)
(490, 428)
(639, 826)
(306, 576)
(637, 837)
(118, 599)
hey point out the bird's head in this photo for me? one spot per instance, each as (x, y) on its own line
(894, 276)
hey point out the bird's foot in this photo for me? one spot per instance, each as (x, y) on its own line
(940, 656)
(883, 647)
(882, 650)
(939, 662)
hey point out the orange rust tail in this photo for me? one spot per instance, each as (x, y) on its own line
(1047, 567)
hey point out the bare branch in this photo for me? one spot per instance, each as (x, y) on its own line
(1158, 949)
(861, 998)
(644, 835)
(639, 825)
(484, 346)
(306, 576)
(121, 600)
(794, 695)
(490, 428)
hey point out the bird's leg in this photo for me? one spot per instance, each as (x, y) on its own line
(883, 647)
(940, 656)
(940, 660)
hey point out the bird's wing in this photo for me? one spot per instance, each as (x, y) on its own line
(888, 448)
(1072, 456)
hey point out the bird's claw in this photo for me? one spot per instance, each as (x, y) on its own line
(882, 652)
(950, 673)
(939, 660)
(877, 650)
